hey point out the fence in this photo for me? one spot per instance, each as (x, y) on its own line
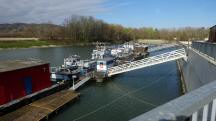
(206, 48)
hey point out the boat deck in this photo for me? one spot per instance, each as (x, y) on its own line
(41, 109)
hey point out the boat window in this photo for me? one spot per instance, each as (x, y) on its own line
(101, 64)
(110, 62)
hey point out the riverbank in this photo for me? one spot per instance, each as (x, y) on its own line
(8, 45)
(152, 41)
(17, 39)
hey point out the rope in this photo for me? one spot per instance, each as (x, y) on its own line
(125, 95)
(140, 100)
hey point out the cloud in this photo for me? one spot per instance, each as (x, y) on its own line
(117, 3)
(47, 10)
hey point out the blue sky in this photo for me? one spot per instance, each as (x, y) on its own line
(129, 13)
(161, 13)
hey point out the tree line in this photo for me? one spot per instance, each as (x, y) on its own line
(86, 29)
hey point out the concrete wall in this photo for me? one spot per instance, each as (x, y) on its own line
(197, 71)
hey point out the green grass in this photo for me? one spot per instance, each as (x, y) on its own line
(23, 44)
(39, 43)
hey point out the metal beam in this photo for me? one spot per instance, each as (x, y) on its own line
(158, 59)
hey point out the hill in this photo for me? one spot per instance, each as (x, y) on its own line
(26, 30)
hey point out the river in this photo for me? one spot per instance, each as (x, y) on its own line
(120, 98)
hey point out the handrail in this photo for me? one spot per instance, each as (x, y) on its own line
(186, 106)
(206, 48)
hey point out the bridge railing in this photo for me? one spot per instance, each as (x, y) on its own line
(199, 104)
(206, 48)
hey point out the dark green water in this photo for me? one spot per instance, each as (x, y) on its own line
(120, 98)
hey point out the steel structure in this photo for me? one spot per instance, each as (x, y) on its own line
(150, 61)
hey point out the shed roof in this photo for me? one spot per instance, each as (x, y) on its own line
(11, 65)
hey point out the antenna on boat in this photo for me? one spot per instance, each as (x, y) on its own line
(97, 45)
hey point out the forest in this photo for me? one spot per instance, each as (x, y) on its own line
(87, 29)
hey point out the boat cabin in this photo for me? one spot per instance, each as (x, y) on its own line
(72, 61)
(104, 64)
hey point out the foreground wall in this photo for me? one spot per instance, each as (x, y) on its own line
(197, 71)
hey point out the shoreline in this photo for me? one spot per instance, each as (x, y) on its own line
(32, 47)
(47, 46)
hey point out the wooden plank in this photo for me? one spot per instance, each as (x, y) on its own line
(41, 108)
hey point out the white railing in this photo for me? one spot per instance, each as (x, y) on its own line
(199, 104)
(85, 78)
(158, 59)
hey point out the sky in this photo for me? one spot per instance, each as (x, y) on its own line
(129, 13)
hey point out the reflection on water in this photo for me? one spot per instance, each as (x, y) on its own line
(53, 55)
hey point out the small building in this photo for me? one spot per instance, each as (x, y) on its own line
(19, 78)
(212, 34)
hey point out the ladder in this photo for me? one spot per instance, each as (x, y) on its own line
(150, 61)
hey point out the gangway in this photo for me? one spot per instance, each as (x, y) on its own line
(150, 61)
(83, 80)
(160, 47)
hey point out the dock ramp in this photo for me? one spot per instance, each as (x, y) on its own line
(83, 80)
(150, 61)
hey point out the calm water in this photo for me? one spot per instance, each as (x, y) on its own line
(120, 98)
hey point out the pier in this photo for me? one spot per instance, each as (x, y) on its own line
(42, 108)
(83, 80)
(102, 70)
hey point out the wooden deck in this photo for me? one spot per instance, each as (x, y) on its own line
(42, 108)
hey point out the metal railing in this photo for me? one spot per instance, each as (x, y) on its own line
(158, 59)
(199, 104)
(85, 78)
(206, 48)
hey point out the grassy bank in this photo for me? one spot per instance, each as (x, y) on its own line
(38, 43)
(23, 44)
(13, 44)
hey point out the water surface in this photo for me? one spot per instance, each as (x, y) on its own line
(120, 98)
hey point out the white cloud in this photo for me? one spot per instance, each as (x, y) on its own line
(47, 10)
